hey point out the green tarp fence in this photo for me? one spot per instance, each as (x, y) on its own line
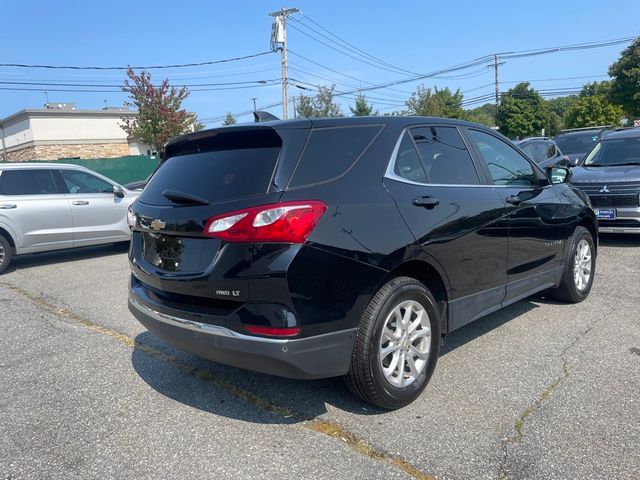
(120, 169)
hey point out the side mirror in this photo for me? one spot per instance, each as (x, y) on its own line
(558, 174)
(118, 191)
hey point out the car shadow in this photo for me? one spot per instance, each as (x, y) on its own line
(203, 384)
(61, 256)
(619, 240)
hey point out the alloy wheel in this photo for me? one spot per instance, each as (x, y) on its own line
(582, 265)
(405, 343)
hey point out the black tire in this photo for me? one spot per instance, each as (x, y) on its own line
(568, 290)
(366, 378)
(6, 253)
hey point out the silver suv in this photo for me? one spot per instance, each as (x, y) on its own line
(52, 206)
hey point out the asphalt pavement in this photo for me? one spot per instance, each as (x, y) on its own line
(540, 390)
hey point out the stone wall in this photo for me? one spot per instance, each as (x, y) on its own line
(55, 152)
(22, 155)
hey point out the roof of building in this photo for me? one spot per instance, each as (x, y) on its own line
(53, 112)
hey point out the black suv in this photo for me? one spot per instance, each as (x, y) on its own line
(575, 143)
(352, 246)
(610, 176)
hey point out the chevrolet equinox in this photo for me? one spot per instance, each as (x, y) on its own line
(349, 247)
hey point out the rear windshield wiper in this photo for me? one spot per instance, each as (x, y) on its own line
(182, 197)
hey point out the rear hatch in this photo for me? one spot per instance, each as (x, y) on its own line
(206, 174)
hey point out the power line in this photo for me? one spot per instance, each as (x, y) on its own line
(148, 67)
(353, 47)
(57, 84)
(358, 57)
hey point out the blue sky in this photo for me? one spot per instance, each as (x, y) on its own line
(418, 36)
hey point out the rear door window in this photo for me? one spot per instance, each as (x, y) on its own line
(27, 182)
(331, 152)
(236, 165)
(445, 156)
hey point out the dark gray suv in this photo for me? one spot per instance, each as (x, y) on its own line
(610, 176)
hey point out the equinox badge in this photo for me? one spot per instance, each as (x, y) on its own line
(158, 224)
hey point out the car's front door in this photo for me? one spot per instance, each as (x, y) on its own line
(32, 205)
(457, 219)
(537, 228)
(99, 216)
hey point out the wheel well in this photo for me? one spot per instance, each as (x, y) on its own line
(9, 238)
(591, 226)
(430, 277)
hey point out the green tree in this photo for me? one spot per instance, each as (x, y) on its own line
(424, 102)
(160, 113)
(322, 105)
(522, 112)
(450, 103)
(304, 107)
(229, 120)
(484, 114)
(625, 80)
(593, 110)
(362, 108)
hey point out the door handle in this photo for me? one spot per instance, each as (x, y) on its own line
(80, 202)
(513, 200)
(8, 206)
(426, 202)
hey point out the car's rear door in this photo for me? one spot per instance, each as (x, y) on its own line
(537, 228)
(99, 216)
(32, 204)
(455, 216)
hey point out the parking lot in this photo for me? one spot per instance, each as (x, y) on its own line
(538, 390)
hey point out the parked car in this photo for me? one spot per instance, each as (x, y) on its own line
(349, 247)
(51, 206)
(575, 143)
(544, 152)
(610, 176)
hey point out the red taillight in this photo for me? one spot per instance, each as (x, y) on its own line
(271, 331)
(286, 222)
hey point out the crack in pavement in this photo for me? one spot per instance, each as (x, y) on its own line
(327, 428)
(544, 395)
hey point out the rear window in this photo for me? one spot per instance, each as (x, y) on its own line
(330, 152)
(228, 166)
(27, 182)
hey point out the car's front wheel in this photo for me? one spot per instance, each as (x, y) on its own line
(397, 345)
(5, 253)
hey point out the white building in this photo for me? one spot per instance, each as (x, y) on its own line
(60, 131)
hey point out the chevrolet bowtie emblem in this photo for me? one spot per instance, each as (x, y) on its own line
(604, 189)
(158, 224)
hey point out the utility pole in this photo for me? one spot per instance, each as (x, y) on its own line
(294, 106)
(279, 42)
(254, 103)
(495, 67)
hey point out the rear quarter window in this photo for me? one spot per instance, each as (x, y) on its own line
(27, 182)
(331, 152)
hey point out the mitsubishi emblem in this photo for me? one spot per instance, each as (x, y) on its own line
(158, 224)
(604, 189)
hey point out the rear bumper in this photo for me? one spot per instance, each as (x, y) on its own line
(320, 356)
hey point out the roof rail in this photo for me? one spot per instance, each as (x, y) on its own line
(599, 127)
